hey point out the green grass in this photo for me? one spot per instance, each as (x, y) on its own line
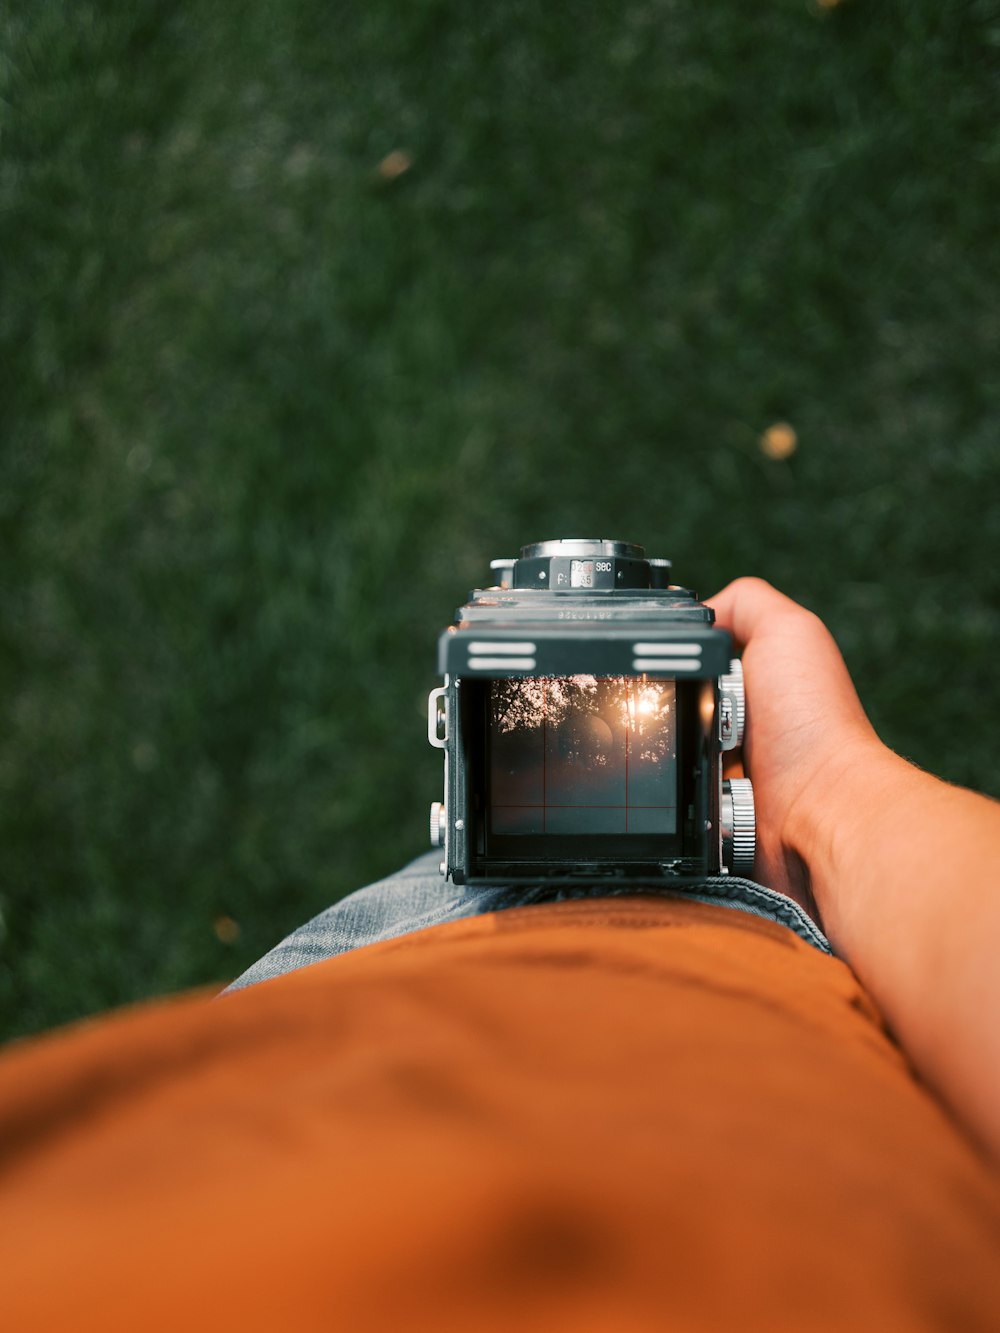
(266, 416)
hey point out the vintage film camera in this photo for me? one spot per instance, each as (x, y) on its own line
(586, 706)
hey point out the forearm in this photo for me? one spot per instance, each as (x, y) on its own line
(900, 868)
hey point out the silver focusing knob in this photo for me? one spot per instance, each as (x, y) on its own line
(732, 706)
(437, 824)
(739, 826)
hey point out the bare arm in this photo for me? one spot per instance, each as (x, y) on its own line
(898, 865)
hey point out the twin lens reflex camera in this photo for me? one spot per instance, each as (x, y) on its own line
(586, 706)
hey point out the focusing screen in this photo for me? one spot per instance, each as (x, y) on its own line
(583, 755)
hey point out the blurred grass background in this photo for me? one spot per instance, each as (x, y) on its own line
(309, 310)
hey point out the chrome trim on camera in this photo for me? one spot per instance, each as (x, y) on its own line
(435, 717)
(501, 655)
(666, 648)
(499, 663)
(665, 665)
(583, 546)
(500, 646)
(731, 690)
(666, 656)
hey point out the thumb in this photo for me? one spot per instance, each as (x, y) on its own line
(744, 605)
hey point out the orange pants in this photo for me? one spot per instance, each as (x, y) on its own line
(637, 1113)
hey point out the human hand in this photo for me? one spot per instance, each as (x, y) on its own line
(886, 857)
(805, 727)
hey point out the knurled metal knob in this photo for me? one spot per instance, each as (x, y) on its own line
(739, 826)
(731, 684)
(437, 824)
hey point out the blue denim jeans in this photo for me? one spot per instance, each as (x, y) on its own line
(418, 897)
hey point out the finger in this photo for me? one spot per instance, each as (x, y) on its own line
(745, 604)
(808, 651)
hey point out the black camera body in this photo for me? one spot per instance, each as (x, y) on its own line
(586, 706)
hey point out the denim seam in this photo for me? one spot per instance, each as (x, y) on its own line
(776, 905)
(731, 891)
